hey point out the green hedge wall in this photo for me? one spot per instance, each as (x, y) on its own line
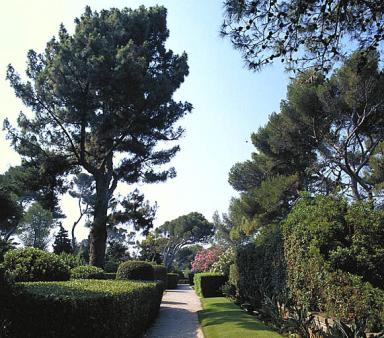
(191, 276)
(209, 284)
(172, 280)
(83, 308)
(160, 272)
(260, 267)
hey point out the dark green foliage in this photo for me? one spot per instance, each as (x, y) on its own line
(135, 270)
(87, 272)
(160, 272)
(109, 275)
(71, 260)
(5, 246)
(261, 269)
(62, 242)
(185, 256)
(116, 253)
(31, 264)
(84, 308)
(191, 276)
(302, 34)
(172, 280)
(209, 284)
(333, 252)
(11, 212)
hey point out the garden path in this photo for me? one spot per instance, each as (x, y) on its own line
(178, 315)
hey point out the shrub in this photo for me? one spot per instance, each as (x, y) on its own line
(209, 284)
(261, 267)
(223, 262)
(30, 264)
(111, 266)
(84, 308)
(205, 258)
(87, 272)
(160, 273)
(172, 280)
(138, 270)
(334, 255)
(71, 260)
(191, 275)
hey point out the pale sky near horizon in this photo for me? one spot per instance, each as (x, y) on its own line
(230, 102)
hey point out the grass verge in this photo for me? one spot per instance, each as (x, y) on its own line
(221, 318)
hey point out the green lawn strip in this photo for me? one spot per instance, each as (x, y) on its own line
(221, 318)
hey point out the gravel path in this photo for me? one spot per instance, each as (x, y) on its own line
(178, 315)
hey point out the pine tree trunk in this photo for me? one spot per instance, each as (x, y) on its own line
(98, 233)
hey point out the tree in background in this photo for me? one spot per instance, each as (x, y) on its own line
(302, 33)
(104, 91)
(35, 227)
(152, 247)
(189, 229)
(185, 256)
(326, 139)
(62, 242)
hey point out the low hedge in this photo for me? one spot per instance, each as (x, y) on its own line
(32, 265)
(172, 280)
(136, 270)
(83, 308)
(209, 284)
(87, 272)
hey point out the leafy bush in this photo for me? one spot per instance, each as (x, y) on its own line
(333, 255)
(111, 266)
(261, 267)
(87, 272)
(209, 284)
(205, 258)
(223, 262)
(172, 280)
(160, 272)
(30, 264)
(138, 270)
(84, 308)
(72, 261)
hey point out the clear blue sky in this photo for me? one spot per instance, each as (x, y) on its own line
(230, 102)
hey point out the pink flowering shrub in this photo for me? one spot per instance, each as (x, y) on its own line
(205, 258)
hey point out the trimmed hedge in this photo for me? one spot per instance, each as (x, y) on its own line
(160, 272)
(83, 308)
(209, 284)
(32, 265)
(87, 272)
(137, 270)
(172, 280)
